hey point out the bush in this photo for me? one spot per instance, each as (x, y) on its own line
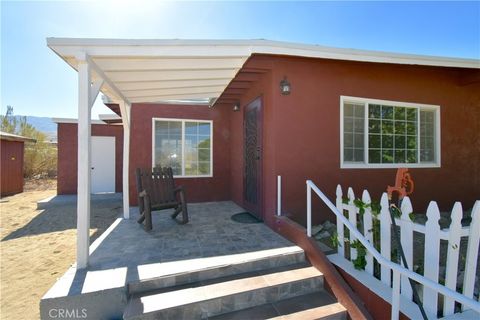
(40, 158)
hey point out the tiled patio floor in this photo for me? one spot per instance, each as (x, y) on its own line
(210, 232)
(127, 254)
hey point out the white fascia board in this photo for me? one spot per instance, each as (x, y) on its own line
(72, 120)
(168, 63)
(171, 91)
(184, 102)
(159, 51)
(164, 75)
(241, 48)
(206, 95)
(170, 84)
(109, 116)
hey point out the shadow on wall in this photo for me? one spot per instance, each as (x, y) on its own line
(60, 213)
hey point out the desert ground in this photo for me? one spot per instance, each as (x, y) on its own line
(37, 246)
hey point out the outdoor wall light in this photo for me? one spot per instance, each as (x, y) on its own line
(285, 86)
(236, 107)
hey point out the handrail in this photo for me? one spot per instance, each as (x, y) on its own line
(396, 268)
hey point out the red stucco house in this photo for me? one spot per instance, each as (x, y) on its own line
(231, 117)
(319, 131)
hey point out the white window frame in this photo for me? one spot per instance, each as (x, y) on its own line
(365, 164)
(183, 175)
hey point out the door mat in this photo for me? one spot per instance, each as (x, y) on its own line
(245, 217)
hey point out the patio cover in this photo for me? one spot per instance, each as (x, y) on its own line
(173, 71)
(197, 70)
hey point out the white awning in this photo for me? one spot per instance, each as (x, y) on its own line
(198, 70)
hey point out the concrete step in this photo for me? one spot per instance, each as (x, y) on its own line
(181, 272)
(334, 311)
(318, 305)
(206, 299)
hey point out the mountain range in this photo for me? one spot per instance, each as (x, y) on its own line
(43, 124)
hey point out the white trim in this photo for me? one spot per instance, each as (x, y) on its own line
(95, 88)
(109, 117)
(389, 102)
(279, 195)
(239, 48)
(71, 120)
(183, 175)
(365, 164)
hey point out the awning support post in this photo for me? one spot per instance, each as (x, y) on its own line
(125, 113)
(84, 161)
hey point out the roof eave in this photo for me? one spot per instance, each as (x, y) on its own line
(152, 47)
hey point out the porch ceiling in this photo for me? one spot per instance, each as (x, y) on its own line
(198, 70)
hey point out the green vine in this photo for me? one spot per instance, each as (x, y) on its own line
(334, 240)
(361, 206)
(396, 211)
(376, 208)
(359, 262)
(411, 215)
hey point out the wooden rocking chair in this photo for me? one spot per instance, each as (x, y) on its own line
(157, 191)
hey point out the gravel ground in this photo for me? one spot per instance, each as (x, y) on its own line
(37, 246)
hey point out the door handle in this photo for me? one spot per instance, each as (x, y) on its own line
(93, 168)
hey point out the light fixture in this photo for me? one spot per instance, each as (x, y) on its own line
(236, 107)
(285, 86)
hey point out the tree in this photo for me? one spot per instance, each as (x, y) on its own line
(8, 122)
(40, 158)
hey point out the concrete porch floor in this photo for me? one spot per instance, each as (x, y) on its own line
(127, 255)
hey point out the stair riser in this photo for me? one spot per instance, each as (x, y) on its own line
(237, 301)
(223, 271)
(336, 316)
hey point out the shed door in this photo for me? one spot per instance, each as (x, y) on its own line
(103, 164)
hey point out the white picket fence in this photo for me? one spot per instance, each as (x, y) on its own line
(433, 235)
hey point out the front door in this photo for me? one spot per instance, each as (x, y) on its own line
(253, 158)
(103, 164)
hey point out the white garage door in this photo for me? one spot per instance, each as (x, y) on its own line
(103, 164)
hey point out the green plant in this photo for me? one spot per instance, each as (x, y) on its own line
(334, 240)
(411, 215)
(40, 158)
(395, 255)
(418, 268)
(376, 208)
(359, 262)
(361, 206)
(395, 211)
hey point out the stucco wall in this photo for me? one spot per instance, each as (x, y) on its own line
(302, 131)
(67, 154)
(216, 188)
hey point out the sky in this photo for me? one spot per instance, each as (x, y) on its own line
(37, 82)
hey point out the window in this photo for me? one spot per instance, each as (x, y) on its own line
(386, 134)
(184, 145)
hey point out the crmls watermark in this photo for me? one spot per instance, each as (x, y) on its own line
(73, 313)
